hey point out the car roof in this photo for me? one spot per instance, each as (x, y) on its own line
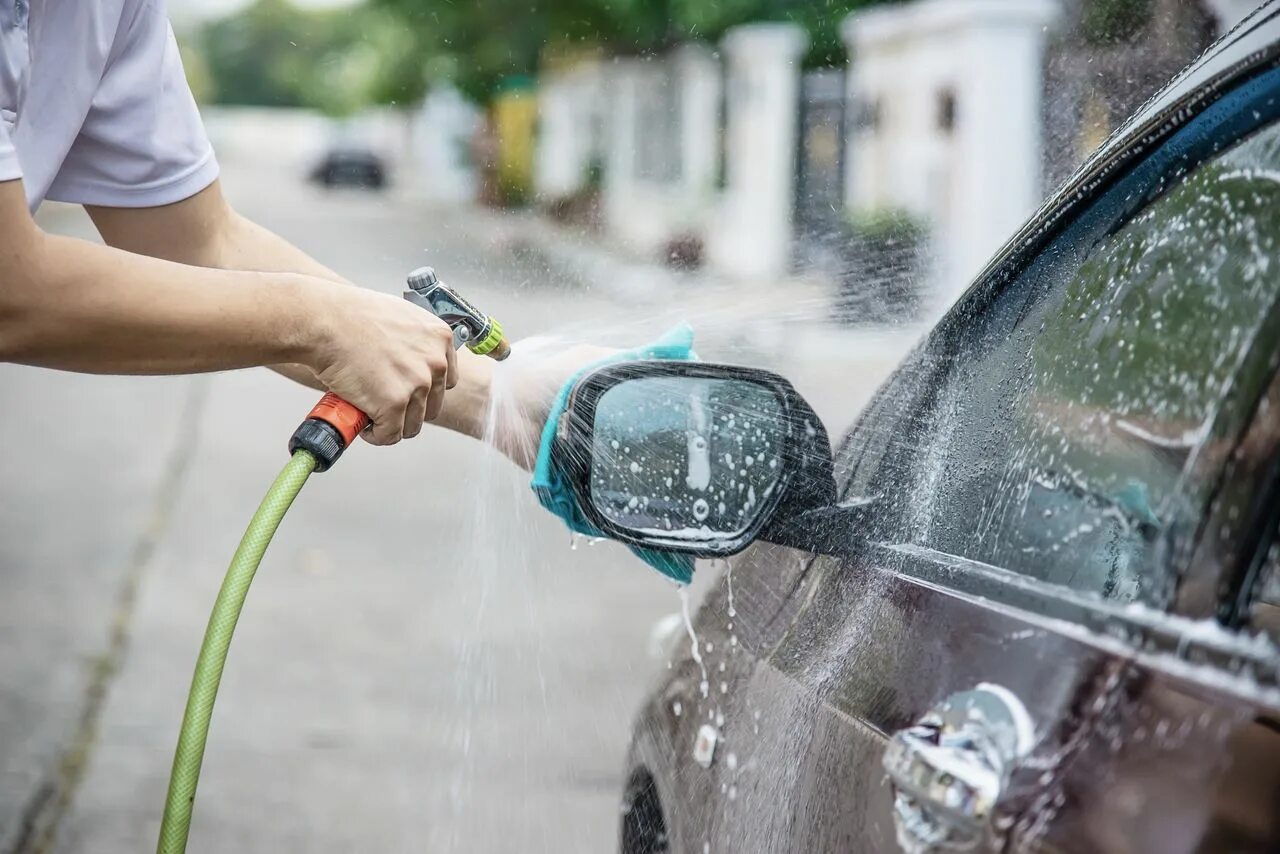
(1249, 46)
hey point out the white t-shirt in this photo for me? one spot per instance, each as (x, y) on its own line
(94, 105)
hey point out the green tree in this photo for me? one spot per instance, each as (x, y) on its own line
(274, 54)
(199, 78)
(246, 53)
(1112, 21)
(481, 44)
(386, 51)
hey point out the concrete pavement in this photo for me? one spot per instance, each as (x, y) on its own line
(424, 663)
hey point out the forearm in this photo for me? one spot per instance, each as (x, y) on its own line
(242, 244)
(78, 306)
(245, 245)
(205, 231)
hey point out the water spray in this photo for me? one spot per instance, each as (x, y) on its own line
(328, 430)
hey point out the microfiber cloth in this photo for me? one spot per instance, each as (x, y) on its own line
(552, 487)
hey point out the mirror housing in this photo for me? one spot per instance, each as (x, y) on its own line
(649, 449)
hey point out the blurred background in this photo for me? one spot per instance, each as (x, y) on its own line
(427, 661)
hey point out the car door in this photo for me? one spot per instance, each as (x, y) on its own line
(1044, 467)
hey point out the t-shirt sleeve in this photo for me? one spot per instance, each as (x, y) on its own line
(142, 143)
(10, 168)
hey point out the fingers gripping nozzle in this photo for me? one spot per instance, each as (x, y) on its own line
(333, 424)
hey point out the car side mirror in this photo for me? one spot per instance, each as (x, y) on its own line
(696, 458)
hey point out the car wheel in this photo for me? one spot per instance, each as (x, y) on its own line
(644, 829)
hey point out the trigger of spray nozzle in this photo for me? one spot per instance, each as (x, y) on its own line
(481, 333)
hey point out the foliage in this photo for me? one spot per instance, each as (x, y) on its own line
(484, 43)
(385, 51)
(821, 19)
(1112, 21)
(199, 78)
(889, 226)
(274, 54)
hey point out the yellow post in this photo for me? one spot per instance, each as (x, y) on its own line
(515, 120)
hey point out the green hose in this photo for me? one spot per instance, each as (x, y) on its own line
(213, 652)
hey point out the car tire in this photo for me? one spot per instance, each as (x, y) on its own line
(651, 806)
(644, 827)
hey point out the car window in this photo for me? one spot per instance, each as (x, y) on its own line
(1061, 441)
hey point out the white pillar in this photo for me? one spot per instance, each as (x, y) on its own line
(444, 130)
(699, 75)
(568, 99)
(752, 233)
(556, 161)
(998, 126)
(620, 136)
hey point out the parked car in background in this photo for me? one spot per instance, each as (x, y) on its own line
(1031, 602)
(350, 166)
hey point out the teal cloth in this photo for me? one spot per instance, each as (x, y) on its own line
(552, 486)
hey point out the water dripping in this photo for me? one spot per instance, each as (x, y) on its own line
(705, 686)
(728, 576)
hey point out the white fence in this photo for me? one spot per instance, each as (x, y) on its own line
(702, 143)
(941, 121)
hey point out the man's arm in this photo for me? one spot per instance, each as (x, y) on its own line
(206, 231)
(74, 305)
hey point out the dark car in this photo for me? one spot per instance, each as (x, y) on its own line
(1031, 601)
(351, 167)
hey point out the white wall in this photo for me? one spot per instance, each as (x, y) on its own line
(569, 105)
(280, 138)
(976, 183)
(668, 189)
(751, 235)
(443, 130)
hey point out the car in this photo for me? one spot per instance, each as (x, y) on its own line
(1031, 601)
(350, 166)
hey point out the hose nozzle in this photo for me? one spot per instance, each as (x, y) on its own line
(481, 333)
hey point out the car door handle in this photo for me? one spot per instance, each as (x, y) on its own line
(950, 768)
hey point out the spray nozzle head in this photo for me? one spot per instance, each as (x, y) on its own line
(481, 333)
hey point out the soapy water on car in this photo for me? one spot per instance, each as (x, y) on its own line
(772, 734)
(762, 732)
(503, 590)
(1086, 344)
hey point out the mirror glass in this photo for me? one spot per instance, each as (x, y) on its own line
(686, 457)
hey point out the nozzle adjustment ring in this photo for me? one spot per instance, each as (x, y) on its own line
(489, 342)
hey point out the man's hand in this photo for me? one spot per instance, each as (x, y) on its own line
(385, 356)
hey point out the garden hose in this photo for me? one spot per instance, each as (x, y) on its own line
(328, 430)
(178, 805)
